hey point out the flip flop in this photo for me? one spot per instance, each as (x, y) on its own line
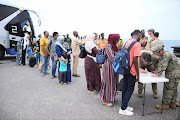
(109, 104)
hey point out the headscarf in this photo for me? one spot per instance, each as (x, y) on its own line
(59, 39)
(89, 45)
(26, 41)
(112, 40)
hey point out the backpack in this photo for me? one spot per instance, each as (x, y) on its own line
(32, 61)
(100, 57)
(120, 61)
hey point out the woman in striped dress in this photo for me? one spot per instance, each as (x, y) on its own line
(110, 79)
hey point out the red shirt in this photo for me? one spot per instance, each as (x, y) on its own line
(134, 51)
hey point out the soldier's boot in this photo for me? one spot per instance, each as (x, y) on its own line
(140, 94)
(178, 104)
(172, 105)
(155, 95)
(165, 106)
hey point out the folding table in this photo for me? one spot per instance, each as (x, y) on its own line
(148, 79)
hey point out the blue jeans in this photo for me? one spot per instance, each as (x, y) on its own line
(44, 63)
(54, 66)
(37, 58)
(127, 90)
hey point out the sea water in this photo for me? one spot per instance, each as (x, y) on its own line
(168, 44)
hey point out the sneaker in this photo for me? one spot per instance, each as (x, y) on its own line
(65, 83)
(125, 112)
(47, 73)
(76, 75)
(42, 74)
(130, 109)
(60, 83)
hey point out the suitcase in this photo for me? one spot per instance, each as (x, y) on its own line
(32, 61)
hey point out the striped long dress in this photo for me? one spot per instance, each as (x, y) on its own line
(110, 79)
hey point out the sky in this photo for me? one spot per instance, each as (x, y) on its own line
(105, 16)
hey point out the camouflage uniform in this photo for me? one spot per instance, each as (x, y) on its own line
(157, 42)
(150, 66)
(19, 52)
(148, 46)
(169, 63)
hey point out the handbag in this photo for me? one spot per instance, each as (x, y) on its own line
(83, 53)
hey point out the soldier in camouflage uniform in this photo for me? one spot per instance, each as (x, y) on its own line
(156, 41)
(147, 62)
(168, 63)
(19, 52)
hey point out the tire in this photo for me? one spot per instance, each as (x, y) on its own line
(2, 53)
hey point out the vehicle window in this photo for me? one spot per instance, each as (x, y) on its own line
(7, 11)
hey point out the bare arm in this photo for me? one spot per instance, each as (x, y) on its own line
(136, 67)
(42, 48)
(47, 49)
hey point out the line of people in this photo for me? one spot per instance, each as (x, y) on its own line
(154, 58)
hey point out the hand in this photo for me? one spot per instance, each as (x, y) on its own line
(143, 71)
(52, 56)
(154, 72)
(17, 49)
(154, 76)
(44, 55)
(137, 78)
(68, 53)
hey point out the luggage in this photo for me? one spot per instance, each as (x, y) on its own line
(120, 61)
(100, 57)
(32, 61)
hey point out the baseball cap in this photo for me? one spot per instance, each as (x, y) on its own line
(152, 30)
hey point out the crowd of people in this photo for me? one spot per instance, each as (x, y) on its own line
(146, 53)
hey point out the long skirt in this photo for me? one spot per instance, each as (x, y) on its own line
(19, 57)
(93, 76)
(109, 82)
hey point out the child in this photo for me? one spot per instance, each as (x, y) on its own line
(63, 71)
(37, 51)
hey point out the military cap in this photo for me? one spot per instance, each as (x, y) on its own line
(155, 49)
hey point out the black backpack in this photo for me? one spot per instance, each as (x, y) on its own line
(32, 61)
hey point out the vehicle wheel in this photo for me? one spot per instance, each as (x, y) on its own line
(2, 53)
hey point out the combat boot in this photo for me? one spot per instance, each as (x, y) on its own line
(155, 95)
(165, 106)
(178, 104)
(172, 105)
(140, 94)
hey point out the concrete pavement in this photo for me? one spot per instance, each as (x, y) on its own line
(24, 94)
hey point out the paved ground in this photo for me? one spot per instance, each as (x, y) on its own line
(24, 94)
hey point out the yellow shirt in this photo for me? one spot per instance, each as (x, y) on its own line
(44, 42)
(102, 43)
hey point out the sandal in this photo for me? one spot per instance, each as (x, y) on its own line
(108, 104)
